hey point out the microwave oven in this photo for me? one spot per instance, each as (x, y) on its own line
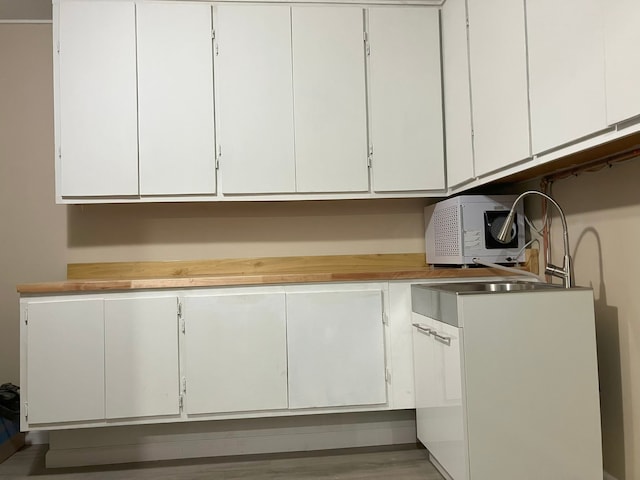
(462, 228)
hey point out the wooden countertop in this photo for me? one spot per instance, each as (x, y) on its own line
(125, 276)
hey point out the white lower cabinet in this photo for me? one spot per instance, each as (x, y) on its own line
(141, 357)
(98, 359)
(64, 362)
(335, 348)
(512, 390)
(439, 413)
(235, 353)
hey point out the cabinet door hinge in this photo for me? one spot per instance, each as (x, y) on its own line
(59, 152)
(181, 402)
(26, 316)
(181, 321)
(387, 376)
(184, 385)
(367, 46)
(385, 318)
(218, 155)
(26, 410)
(58, 47)
(370, 156)
(213, 33)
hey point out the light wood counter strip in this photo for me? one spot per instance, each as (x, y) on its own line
(265, 271)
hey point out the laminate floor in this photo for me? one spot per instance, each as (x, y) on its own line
(380, 464)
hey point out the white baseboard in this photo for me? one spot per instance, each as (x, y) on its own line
(141, 443)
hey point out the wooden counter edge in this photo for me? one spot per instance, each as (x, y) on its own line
(239, 280)
(379, 262)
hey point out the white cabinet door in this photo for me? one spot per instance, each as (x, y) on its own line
(97, 101)
(566, 71)
(438, 380)
(65, 361)
(175, 94)
(329, 99)
(425, 376)
(141, 357)
(254, 98)
(622, 37)
(457, 100)
(405, 99)
(499, 84)
(235, 353)
(335, 349)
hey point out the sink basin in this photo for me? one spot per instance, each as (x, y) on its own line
(463, 288)
(439, 300)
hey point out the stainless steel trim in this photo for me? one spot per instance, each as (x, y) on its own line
(423, 329)
(441, 338)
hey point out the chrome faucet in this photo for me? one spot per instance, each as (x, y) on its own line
(566, 271)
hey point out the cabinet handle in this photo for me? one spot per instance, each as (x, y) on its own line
(441, 338)
(423, 329)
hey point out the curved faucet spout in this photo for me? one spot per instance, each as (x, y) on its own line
(566, 271)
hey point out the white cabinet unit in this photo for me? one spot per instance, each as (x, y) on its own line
(507, 383)
(235, 352)
(64, 361)
(96, 101)
(499, 85)
(621, 40)
(456, 91)
(405, 98)
(566, 71)
(175, 98)
(211, 353)
(141, 357)
(335, 348)
(136, 83)
(254, 99)
(330, 117)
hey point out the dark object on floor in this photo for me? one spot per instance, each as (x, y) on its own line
(10, 401)
(11, 440)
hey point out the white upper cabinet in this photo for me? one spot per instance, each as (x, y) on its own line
(141, 357)
(622, 37)
(175, 95)
(499, 85)
(329, 99)
(96, 101)
(457, 100)
(566, 71)
(254, 99)
(405, 98)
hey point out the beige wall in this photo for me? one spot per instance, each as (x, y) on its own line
(603, 216)
(25, 9)
(32, 229)
(39, 238)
